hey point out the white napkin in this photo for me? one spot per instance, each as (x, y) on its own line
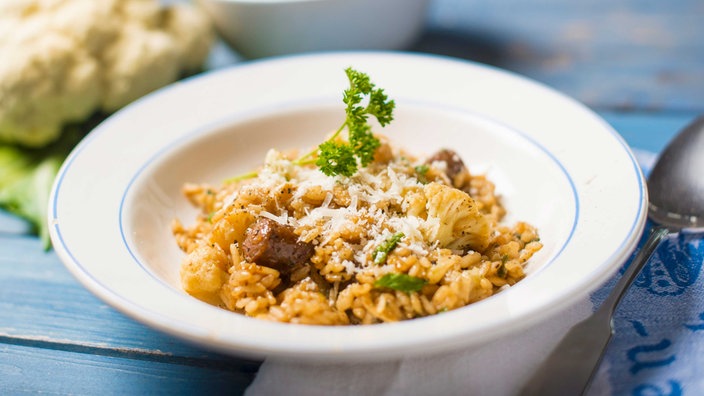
(498, 368)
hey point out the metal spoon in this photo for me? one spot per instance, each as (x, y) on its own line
(676, 191)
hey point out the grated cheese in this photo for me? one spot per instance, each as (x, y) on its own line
(371, 195)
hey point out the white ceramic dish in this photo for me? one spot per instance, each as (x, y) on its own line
(259, 28)
(558, 166)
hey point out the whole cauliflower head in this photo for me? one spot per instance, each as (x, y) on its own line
(64, 60)
(453, 219)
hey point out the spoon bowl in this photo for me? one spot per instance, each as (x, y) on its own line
(676, 195)
(676, 183)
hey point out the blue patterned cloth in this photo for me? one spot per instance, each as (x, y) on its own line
(658, 345)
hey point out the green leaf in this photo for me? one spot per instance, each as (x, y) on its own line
(380, 107)
(27, 175)
(25, 185)
(422, 170)
(364, 143)
(400, 282)
(336, 159)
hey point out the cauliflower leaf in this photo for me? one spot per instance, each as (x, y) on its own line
(27, 175)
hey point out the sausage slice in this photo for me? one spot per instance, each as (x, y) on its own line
(274, 245)
(454, 163)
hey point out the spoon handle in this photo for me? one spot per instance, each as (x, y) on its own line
(657, 234)
(572, 364)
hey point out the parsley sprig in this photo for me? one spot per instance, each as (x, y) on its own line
(362, 99)
(336, 156)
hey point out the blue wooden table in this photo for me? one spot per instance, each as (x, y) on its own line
(639, 64)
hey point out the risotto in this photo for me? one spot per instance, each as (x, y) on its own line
(400, 239)
(354, 232)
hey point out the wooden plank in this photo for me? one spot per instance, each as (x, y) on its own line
(41, 302)
(40, 370)
(630, 54)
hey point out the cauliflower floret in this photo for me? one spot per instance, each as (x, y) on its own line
(66, 59)
(152, 50)
(204, 271)
(180, 23)
(453, 219)
(56, 83)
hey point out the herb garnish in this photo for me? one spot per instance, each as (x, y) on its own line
(400, 282)
(421, 170)
(244, 176)
(502, 271)
(337, 157)
(382, 251)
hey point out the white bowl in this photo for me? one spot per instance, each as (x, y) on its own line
(258, 28)
(557, 165)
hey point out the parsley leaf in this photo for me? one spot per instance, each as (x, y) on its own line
(364, 143)
(421, 170)
(380, 107)
(336, 159)
(400, 282)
